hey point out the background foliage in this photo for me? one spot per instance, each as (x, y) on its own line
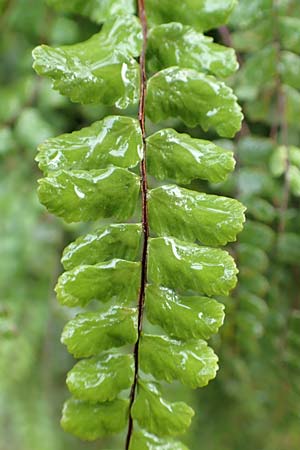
(254, 402)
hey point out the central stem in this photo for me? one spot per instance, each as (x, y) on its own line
(145, 223)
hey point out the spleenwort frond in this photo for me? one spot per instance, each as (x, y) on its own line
(165, 269)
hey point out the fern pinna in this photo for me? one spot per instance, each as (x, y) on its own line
(153, 280)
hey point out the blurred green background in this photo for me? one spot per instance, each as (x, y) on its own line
(254, 402)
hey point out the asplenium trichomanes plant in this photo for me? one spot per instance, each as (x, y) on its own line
(153, 280)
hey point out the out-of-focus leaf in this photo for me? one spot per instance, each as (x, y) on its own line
(295, 180)
(191, 215)
(255, 38)
(294, 156)
(7, 141)
(292, 105)
(260, 209)
(183, 317)
(254, 282)
(255, 150)
(252, 257)
(32, 128)
(278, 160)
(195, 98)
(174, 44)
(14, 96)
(255, 181)
(91, 421)
(253, 304)
(90, 333)
(247, 13)
(293, 338)
(289, 33)
(98, 11)
(258, 235)
(192, 362)
(102, 378)
(259, 70)
(288, 248)
(183, 159)
(289, 68)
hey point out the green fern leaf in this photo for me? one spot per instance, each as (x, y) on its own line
(179, 265)
(141, 440)
(102, 69)
(116, 278)
(114, 140)
(194, 97)
(91, 421)
(183, 317)
(122, 241)
(158, 416)
(177, 45)
(191, 216)
(116, 371)
(201, 14)
(80, 195)
(90, 333)
(177, 156)
(191, 362)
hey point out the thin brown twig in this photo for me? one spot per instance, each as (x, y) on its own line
(145, 222)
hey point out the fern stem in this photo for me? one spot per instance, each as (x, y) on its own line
(145, 222)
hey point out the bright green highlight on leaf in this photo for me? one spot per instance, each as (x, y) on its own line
(202, 14)
(183, 266)
(98, 10)
(191, 362)
(114, 140)
(174, 44)
(101, 378)
(196, 98)
(116, 279)
(183, 317)
(81, 195)
(90, 421)
(99, 70)
(158, 416)
(121, 241)
(177, 156)
(90, 333)
(191, 215)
